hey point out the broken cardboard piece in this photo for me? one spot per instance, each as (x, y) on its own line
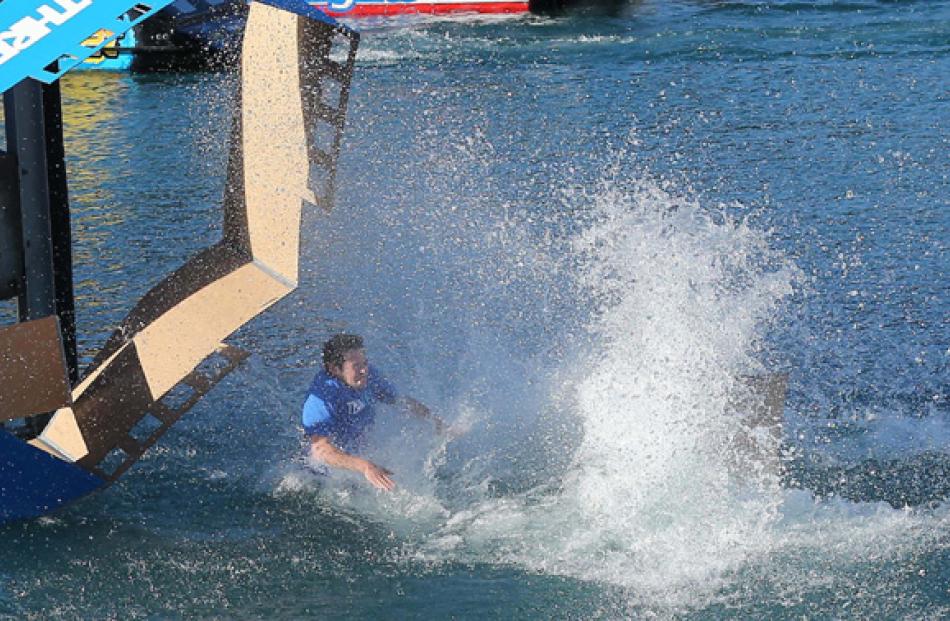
(33, 369)
(760, 402)
(285, 62)
(61, 437)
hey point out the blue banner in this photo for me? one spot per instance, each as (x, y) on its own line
(35, 33)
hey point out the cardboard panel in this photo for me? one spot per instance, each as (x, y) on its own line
(119, 427)
(33, 370)
(759, 402)
(61, 437)
(125, 404)
(276, 168)
(199, 271)
(112, 403)
(172, 345)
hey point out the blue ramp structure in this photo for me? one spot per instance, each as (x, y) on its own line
(33, 482)
(186, 35)
(64, 435)
(43, 39)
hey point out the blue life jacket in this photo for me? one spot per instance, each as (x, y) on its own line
(342, 413)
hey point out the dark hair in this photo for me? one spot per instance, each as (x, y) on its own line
(336, 348)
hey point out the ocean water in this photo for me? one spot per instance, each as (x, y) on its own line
(569, 236)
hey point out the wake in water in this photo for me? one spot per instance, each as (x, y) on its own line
(594, 358)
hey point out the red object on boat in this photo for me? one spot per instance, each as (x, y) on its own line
(433, 7)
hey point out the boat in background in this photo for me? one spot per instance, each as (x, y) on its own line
(200, 34)
(370, 8)
(185, 35)
(366, 8)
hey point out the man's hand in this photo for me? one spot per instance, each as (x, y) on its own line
(322, 449)
(417, 408)
(378, 477)
(453, 431)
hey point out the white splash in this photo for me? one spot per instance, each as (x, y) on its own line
(606, 456)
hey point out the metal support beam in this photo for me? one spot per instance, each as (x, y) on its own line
(34, 133)
(11, 250)
(34, 137)
(26, 137)
(60, 227)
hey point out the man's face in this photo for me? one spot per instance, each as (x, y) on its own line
(354, 371)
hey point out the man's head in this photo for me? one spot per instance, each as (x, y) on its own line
(345, 359)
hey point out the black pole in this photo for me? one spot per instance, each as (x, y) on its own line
(26, 138)
(11, 251)
(60, 230)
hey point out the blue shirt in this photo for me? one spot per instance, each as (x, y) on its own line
(342, 413)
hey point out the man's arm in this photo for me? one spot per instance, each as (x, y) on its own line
(417, 408)
(384, 391)
(322, 449)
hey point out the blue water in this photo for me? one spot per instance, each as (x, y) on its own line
(568, 236)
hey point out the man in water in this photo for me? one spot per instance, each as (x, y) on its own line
(339, 408)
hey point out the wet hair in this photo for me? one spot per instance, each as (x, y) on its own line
(336, 348)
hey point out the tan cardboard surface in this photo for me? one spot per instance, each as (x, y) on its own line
(276, 166)
(176, 342)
